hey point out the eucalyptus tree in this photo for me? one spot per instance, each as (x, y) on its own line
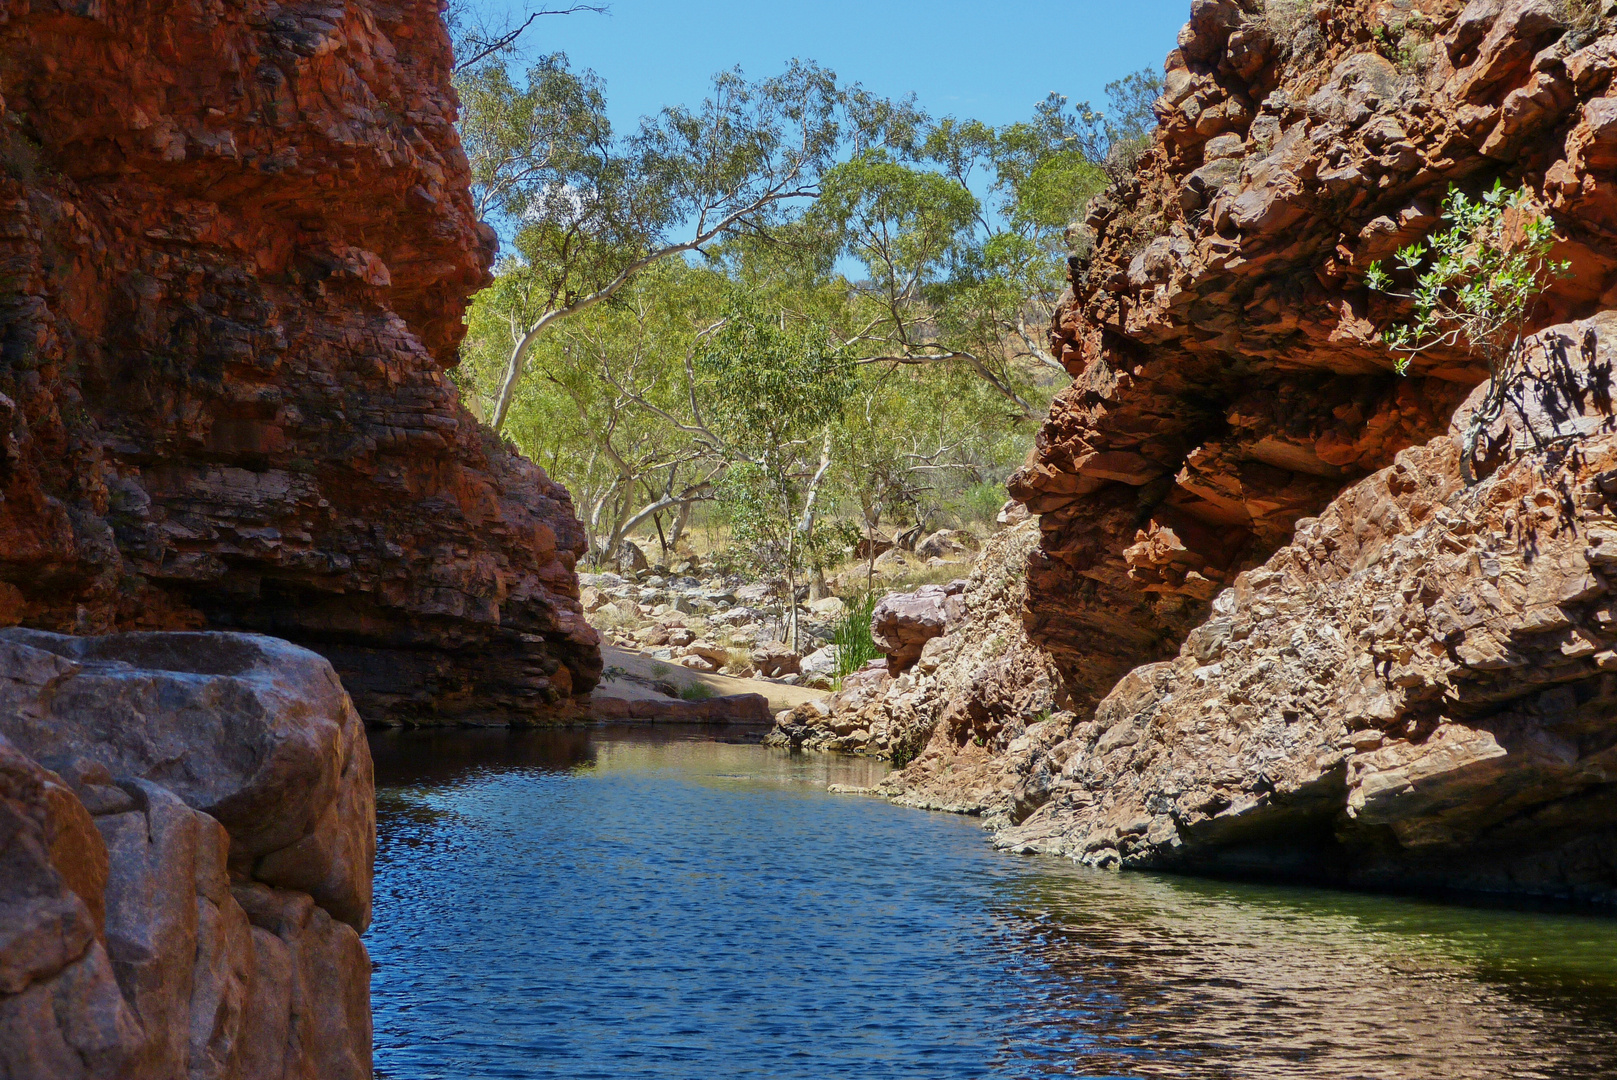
(480, 35)
(651, 279)
(608, 405)
(775, 393)
(963, 232)
(589, 210)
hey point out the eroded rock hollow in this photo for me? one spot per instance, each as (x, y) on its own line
(235, 245)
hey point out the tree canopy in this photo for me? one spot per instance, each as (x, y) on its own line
(794, 285)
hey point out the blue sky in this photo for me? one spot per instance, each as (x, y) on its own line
(991, 60)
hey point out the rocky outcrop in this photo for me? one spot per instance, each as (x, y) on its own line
(969, 714)
(187, 826)
(1229, 377)
(902, 623)
(235, 246)
(1421, 689)
(1357, 668)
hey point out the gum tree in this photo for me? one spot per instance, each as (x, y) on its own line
(587, 210)
(775, 392)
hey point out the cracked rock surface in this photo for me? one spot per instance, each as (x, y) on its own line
(187, 831)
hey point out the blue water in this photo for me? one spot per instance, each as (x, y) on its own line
(634, 903)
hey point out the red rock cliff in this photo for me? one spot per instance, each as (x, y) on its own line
(1228, 374)
(235, 245)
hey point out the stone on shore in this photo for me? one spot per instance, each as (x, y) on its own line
(187, 830)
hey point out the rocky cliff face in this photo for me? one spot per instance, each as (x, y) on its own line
(235, 245)
(1417, 690)
(1228, 374)
(187, 826)
(1408, 688)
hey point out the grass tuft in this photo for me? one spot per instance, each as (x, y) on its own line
(697, 691)
(851, 635)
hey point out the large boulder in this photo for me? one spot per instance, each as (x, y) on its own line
(251, 730)
(61, 1012)
(948, 544)
(775, 659)
(902, 623)
(187, 827)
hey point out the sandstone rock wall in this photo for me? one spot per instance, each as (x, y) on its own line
(235, 245)
(187, 827)
(1420, 689)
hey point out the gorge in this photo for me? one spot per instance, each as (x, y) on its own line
(1256, 621)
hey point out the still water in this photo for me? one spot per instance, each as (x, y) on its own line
(630, 903)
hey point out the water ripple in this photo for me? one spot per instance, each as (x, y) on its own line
(620, 904)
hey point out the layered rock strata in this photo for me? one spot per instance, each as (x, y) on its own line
(235, 246)
(1420, 689)
(1229, 377)
(187, 827)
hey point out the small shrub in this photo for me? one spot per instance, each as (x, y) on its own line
(1290, 26)
(981, 502)
(1475, 285)
(1407, 43)
(19, 156)
(903, 752)
(914, 576)
(1479, 282)
(1283, 18)
(1583, 18)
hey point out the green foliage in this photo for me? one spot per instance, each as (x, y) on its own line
(770, 384)
(668, 326)
(902, 753)
(981, 502)
(1406, 42)
(1474, 282)
(697, 691)
(851, 636)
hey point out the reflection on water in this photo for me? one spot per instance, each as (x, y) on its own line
(634, 903)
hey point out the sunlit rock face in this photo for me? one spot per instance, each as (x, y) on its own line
(1420, 689)
(187, 832)
(236, 243)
